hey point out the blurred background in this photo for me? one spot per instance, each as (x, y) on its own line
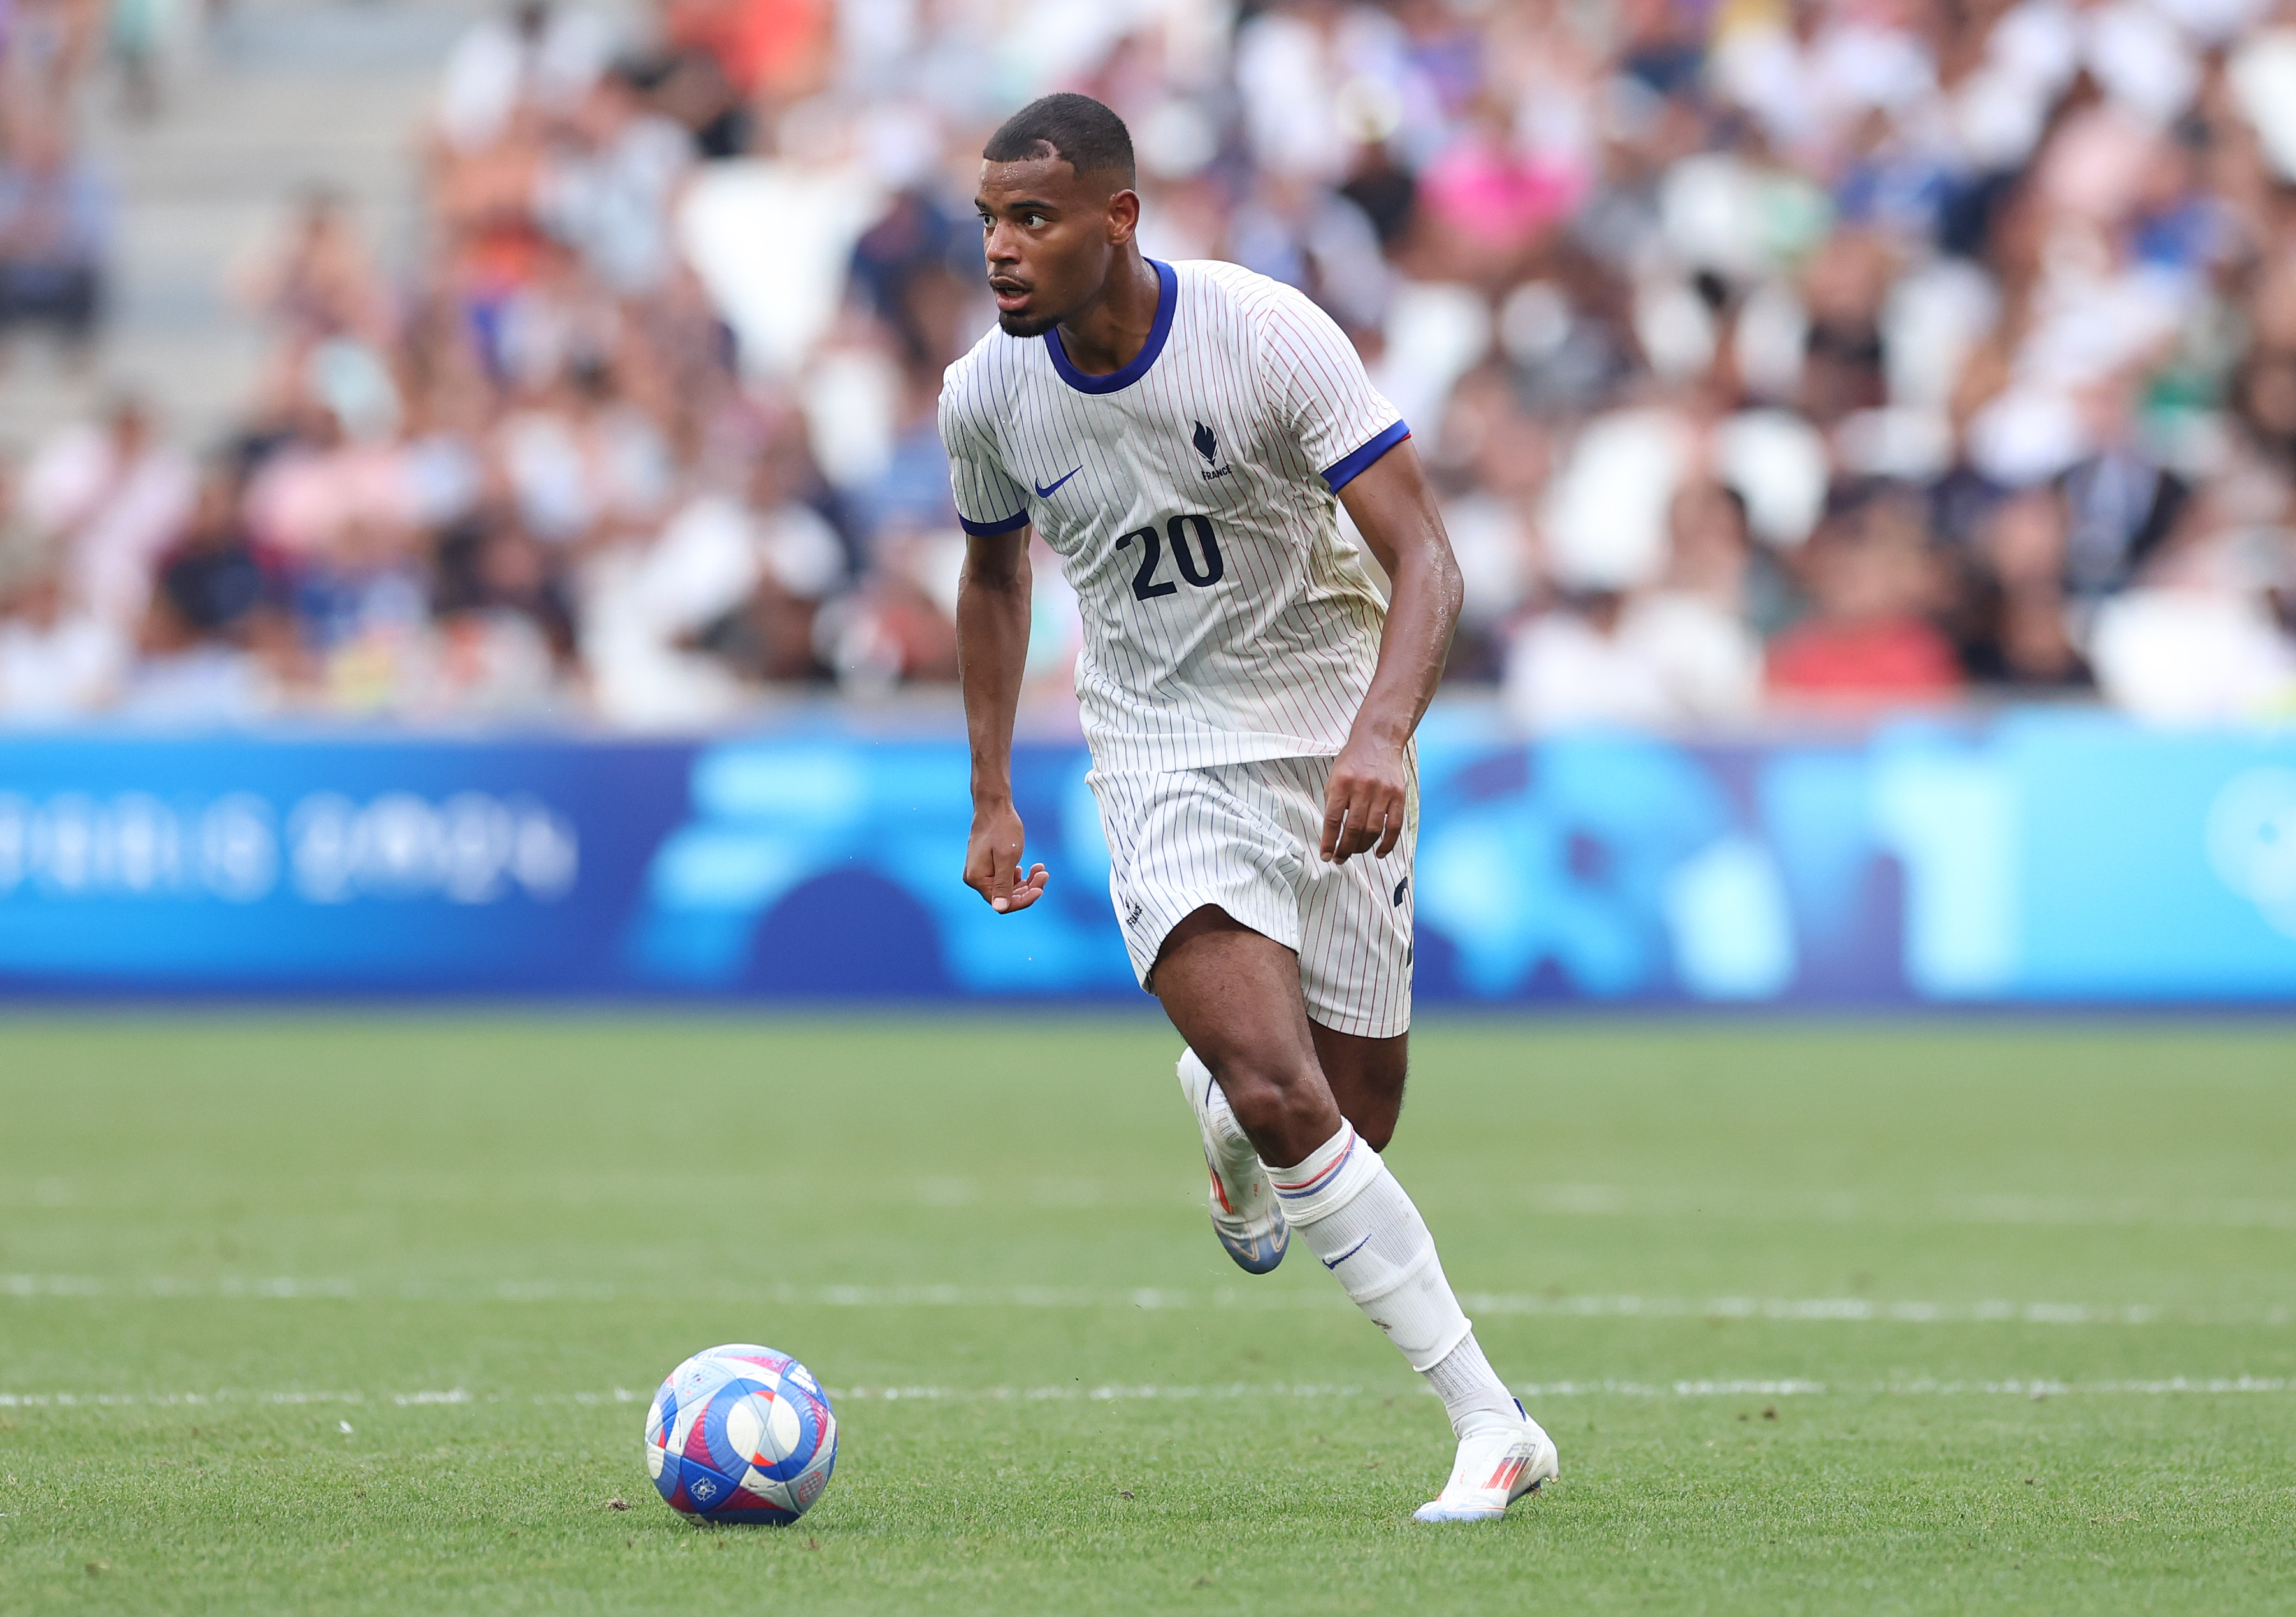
(471, 516)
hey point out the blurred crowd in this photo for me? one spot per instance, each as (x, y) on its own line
(1769, 355)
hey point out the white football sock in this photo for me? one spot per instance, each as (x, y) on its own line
(1348, 1208)
(1473, 1396)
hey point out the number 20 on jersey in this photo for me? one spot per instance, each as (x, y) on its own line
(1201, 565)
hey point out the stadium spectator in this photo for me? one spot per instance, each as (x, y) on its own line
(57, 661)
(213, 580)
(771, 51)
(319, 281)
(56, 235)
(45, 48)
(2202, 636)
(505, 627)
(186, 676)
(110, 498)
(2022, 632)
(1673, 654)
(1869, 638)
(609, 187)
(538, 60)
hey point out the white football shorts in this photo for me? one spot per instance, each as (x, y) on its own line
(1247, 838)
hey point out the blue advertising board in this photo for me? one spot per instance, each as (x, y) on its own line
(2037, 857)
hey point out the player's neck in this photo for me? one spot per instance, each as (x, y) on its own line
(1110, 331)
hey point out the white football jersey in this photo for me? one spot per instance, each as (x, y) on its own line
(1190, 498)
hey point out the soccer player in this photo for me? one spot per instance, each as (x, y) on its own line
(1182, 436)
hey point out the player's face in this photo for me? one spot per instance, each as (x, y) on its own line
(1050, 237)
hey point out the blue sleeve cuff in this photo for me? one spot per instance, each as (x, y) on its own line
(986, 530)
(1338, 475)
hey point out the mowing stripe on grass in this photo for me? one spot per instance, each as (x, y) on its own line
(1787, 1387)
(1624, 1305)
(2013, 1207)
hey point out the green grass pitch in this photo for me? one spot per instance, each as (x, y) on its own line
(337, 1314)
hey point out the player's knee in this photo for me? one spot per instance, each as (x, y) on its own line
(1271, 1097)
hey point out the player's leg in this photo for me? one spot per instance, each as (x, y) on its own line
(1502, 1453)
(1367, 1078)
(1355, 958)
(1234, 995)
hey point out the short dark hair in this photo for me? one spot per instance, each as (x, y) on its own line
(1080, 130)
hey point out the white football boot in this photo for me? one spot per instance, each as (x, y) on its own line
(1493, 1472)
(1246, 1216)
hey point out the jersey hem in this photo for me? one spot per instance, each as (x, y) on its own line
(1345, 471)
(1169, 755)
(1359, 1027)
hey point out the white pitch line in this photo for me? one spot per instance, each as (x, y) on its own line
(1614, 1305)
(1790, 1387)
(1914, 1208)
(1683, 1388)
(1960, 1207)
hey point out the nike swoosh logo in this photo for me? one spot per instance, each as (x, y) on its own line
(1046, 493)
(1350, 1253)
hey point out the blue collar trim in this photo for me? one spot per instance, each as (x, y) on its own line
(1167, 298)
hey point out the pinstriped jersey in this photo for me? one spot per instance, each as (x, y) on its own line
(1191, 499)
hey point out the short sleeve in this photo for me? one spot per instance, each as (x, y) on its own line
(1343, 424)
(987, 502)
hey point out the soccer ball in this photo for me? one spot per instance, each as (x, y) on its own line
(741, 1433)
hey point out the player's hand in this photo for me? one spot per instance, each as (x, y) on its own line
(992, 861)
(1363, 804)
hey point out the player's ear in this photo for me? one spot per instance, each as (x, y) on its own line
(1123, 217)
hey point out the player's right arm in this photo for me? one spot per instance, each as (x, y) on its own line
(1344, 425)
(992, 650)
(993, 603)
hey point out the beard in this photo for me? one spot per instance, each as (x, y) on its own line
(1026, 325)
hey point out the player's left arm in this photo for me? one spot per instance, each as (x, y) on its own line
(992, 642)
(992, 651)
(1394, 509)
